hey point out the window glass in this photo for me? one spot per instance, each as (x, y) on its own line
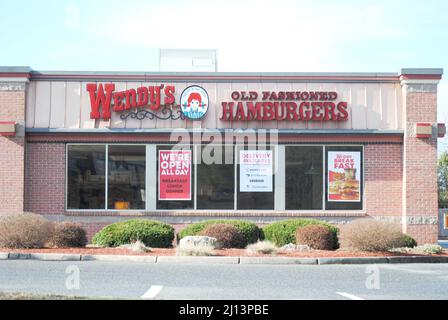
(303, 177)
(344, 178)
(176, 170)
(255, 178)
(126, 177)
(216, 177)
(86, 177)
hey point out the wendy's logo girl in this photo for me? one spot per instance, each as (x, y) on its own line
(194, 102)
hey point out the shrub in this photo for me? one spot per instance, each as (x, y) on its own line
(249, 230)
(67, 234)
(284, 232)
(190, 250)
(371, 235)
(24, 230)
(152, 233)
(228, 236)
(424, 249)
(407, 241)
(262, 247)
(316, 236)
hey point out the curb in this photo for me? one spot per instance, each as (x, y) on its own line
(362, 260)
(147, 259)
(209, 260)
(222, 260)
(418, 259)
(275, 260)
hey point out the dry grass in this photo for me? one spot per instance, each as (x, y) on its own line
(25, 230)
(262, 247)
(371, 236)
(138, 247)
(189, 250)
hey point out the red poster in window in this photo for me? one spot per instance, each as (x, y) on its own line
(175, 175)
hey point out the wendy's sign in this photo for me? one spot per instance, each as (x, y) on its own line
(159, 102)
(279, 106)
(152, 97)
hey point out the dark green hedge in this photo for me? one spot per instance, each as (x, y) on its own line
(152, 233)
(284, 232)
(249, 230)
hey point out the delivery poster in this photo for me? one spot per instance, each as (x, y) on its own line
(256, 171)
(344, 176)
(174, 175)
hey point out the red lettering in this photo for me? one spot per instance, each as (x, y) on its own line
(317, 111)
(240, 114)
(131, 99)
(142, 96)
(292, 114)
(118, 101)
(330, 111)
(253, 112)
(169, 95)
(154, 97)
(227, 111)
(305, 114)
(343, 113)
(268, 111)
(100, 100)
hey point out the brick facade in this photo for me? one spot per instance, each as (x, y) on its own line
(420, 159)
(383, 176)
(12, 108)
(45, 178)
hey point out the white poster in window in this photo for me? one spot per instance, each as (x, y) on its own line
(256, 170)
(344, 176)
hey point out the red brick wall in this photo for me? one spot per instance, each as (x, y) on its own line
(12, 105)
(45, 178)
(12, 108)
(420, 158)
(383, 174)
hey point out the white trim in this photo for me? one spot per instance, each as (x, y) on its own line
(280, 178)
(151, 172)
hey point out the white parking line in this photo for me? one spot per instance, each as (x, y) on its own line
(152, 292)
(348, 295)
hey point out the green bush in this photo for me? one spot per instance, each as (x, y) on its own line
(408, 241)
(248, 229)
(152, 233)
(284, 232)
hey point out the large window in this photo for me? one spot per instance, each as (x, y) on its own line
(126, 177)
(86, 169)
(121, 177)
(303, 177)
(216, 177)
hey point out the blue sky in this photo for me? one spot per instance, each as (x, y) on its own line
(281, 35)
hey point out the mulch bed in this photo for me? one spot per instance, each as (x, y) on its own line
(224, 252)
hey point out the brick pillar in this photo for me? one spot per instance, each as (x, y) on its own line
(13, 84)
(420, 207)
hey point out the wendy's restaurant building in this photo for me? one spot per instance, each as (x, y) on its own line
(101, 147)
